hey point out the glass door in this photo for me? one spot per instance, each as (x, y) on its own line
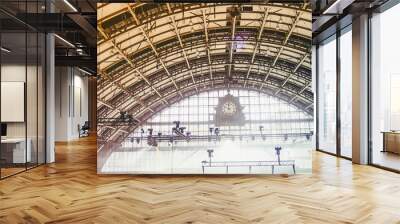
(385, 89)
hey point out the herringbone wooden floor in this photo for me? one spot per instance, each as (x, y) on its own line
(70, 191)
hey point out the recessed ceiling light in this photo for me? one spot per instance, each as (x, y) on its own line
(84, 71)
(70, 5)
(64, 40)
(337, 7)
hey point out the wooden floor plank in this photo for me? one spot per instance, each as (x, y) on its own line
(70, 191)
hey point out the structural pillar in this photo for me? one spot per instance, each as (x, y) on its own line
(50, 99)
(50, 92)
(314, 90)
(92, 107)
(360, 89)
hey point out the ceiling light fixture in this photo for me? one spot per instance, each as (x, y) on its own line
(84, 71)
(64, 40)
(337, 7)
(70, 5)
(331, 7)
(5, 50)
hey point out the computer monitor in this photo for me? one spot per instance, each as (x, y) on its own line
(3, 130)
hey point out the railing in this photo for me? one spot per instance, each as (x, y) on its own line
(248, 164)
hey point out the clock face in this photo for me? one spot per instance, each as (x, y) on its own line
(229, 108)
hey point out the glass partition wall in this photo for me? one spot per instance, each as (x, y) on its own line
(334, 93)
(385, 89)
(22, 77)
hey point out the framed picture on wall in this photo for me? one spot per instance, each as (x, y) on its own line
(12, 101)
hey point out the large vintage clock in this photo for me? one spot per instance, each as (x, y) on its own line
(229, 112)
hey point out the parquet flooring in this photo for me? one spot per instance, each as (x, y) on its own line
(10, 171)
(70, 191)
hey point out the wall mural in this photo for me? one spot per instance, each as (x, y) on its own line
(204, 88)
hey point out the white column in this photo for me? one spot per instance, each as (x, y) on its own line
(360, 90)
(62, 103)
(314, 89)
(50, 92)
(50, 99)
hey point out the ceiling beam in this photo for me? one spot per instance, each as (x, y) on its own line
(119, 50)
(108, 105)
(257, 44)
(162, 79)
(231, 48)
(284, 68)
(131, 64)
(296, 20)
(187, 89)
(171, 17)
(144, 60)
(122, 88)
(300, 92)
(207, 46)
(294, 71)
(219, 79)
(187, 8)
(310, 105)
(113, 128)
(153, 48)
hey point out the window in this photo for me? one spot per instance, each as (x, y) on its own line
(346, 92)
(327, 95)
(385, 84)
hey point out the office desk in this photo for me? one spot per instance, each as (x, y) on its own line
(391, 142)
(13, 150)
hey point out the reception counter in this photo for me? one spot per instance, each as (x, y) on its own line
(391, 141)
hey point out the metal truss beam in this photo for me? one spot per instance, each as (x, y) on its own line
(217, 39)
(300, 92)
(294, 71)
(153, 48)
(207, 46)
(257, 44)
(108, 105)
(129, 61)
(171, 17)
(298, 16)
(292, 92)
(310, 105)
(242, 59)
(231, 48)
(122, 88)
(182, 73)
(188, 89)
(187, 7)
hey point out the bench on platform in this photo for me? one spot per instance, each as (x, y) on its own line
(249, 164)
